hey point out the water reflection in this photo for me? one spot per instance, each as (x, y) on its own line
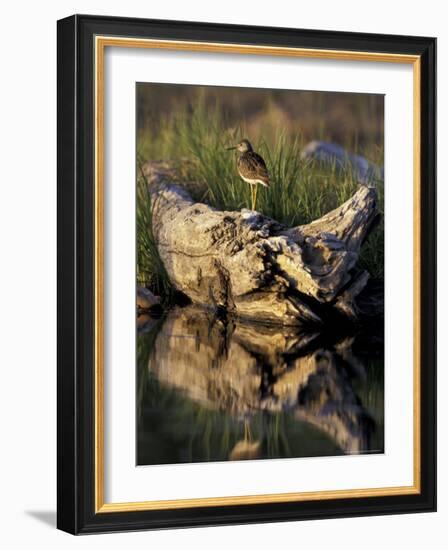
(213, 389)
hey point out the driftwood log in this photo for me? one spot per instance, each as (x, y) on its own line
(254, 267)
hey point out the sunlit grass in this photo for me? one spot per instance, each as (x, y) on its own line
(151, 272)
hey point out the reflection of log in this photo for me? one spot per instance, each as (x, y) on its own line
(328, 402)
(253, 266)
(243, 369)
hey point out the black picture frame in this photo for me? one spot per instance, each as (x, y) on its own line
(76, 254)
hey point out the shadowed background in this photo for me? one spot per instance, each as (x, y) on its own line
(355, 121)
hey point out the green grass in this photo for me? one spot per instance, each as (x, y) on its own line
(300, 191)
(151, 272)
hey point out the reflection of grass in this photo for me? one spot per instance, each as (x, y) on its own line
(299, 193)
(371, 390)
(174, 429)
(145, 343)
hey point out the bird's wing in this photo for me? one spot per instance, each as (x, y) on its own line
(255, 167)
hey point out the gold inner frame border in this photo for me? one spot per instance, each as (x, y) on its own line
(101, 43)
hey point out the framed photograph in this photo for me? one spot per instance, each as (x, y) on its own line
(246, 274)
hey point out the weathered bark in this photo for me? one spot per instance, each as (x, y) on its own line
(255, 267)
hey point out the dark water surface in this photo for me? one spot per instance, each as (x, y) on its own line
(213, 390)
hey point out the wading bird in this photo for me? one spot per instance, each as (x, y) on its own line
(251, 167)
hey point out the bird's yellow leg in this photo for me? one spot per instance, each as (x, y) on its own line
(255, 197)
(252, 196)
(247, 432)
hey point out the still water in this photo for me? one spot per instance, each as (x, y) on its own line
(213, 390)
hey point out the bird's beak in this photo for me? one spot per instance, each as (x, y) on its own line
(230, 148)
